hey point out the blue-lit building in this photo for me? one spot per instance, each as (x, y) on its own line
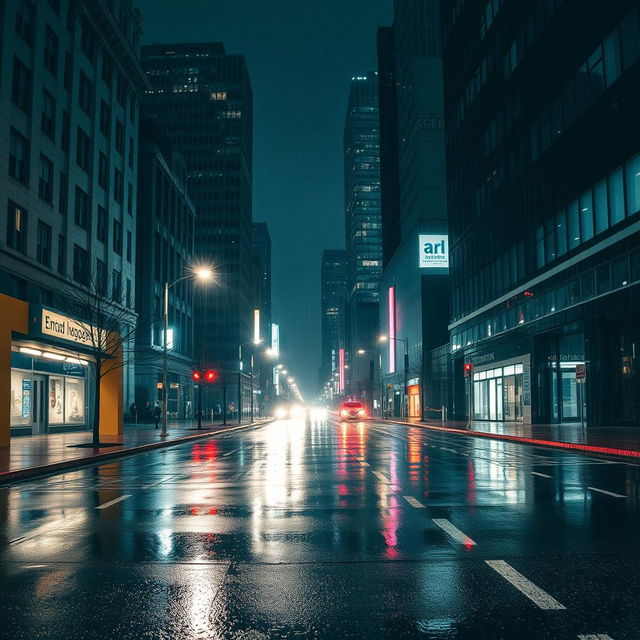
(543, 172)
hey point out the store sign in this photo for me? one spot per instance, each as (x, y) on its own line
(65, 328)
(434, 252)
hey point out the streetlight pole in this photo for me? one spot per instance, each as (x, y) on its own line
(203, 273)
(251, 380)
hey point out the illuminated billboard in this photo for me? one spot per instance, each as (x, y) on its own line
(434, 251)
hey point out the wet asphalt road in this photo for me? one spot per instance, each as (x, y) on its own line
(326, 531)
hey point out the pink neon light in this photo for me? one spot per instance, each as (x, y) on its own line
(392, 329)
(341, 359)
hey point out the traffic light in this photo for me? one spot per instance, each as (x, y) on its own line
(468, 368)
(210, 376)
(196, 375)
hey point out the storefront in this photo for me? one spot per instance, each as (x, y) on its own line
(414, 392)
(47, 374)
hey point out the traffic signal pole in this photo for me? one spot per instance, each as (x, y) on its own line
(200, 405)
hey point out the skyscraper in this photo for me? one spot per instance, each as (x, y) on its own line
(333, 287)
(363, 223)
(261, 248)
(202, 100)
(543, 170)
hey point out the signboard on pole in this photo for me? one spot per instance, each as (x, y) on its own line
(581, 372)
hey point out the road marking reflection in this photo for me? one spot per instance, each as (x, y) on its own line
(381, 476)
(607, 493)
(112, 502)
(540, 475)
(413, 502)
(595, 636)
(454, 532)
(539, 597)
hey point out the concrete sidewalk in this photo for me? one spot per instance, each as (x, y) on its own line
(31, 456)
(611, 441)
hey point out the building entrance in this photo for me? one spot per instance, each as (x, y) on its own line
(38, 404)
(498, 393)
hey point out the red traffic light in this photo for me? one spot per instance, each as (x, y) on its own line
(196, 375)
(468, 368)
(210, 376)
(528, 294)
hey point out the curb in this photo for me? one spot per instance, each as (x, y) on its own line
(76, 463)
(551, 444)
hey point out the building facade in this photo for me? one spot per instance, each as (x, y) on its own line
(165, 237)
(544, 199)
(363, 224)
(70, 82)
(414, 304)
(202, 99)
(333, 285)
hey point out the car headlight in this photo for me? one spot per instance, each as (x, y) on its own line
(361, 412)
(281, 413)
(344, 413)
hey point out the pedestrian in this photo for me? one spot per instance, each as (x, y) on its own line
(157, 414)
(133, 410)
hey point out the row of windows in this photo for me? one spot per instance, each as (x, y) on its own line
(612, 275)
(598, 208)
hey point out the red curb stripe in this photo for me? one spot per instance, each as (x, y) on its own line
(553, 444)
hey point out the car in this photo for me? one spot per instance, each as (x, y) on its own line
(352, 410)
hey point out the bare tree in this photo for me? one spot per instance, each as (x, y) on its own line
(107, 327)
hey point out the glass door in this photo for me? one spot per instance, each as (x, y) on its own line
(39, 404)
(569, 396)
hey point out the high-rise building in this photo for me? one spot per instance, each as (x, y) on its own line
(70, 82)
(414, 294)
(203, 102)
(333, 287)
(543, 170)
(261, 248)
(165, 221)
(363, 225)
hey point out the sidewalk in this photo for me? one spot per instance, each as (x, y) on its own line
(611, 441)
(31, 456)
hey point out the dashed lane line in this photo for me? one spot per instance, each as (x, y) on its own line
(607, 493)
(381, 476)
(365, 464)
(112, 502)
(595, 636)
(540, 475)
(414, 502)
(539, 597)
(454, 532)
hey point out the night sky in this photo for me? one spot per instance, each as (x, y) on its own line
(301, 55)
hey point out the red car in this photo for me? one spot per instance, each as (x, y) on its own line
(352, 410)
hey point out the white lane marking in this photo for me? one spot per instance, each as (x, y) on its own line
(381, 476)
(111, 502)
(451, 450)
(595, 636)
(155, 484)
(229, 453)
(607, 493)
(539, 597)
(413, 502)
(454, 532)
(365, 464)
(541, 475)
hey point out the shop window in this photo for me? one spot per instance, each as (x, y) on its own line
(603, 278)
(56, 400)
(632, 185)
(21, 399)
(74, 410)
(616, 197)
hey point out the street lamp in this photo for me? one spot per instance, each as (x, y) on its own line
(197, 273)
(405, 342)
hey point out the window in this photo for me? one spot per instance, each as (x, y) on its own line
(51, 51)
(83, 150)
(25, 16)
(616, 197)
(632, 185)
(45, 181)
(121, 89)
(128, 300)
(132, 111)
(62, 255)
(63, 196)
(101, 277)
(18, 157)
(131, 152)
(101, 226)
(107, 69)
(65, 136)
(117, 237)
(129, 246)
(116, 278)
(68, 71)
(119, 136)
(43, 247)
(103, 171)
(85, 94)
(561, 232)
(16, 227)
(82, 208)
(88, 39)
(586, 215)
(573, 225)
(21, 86)
(105, 119)
(118, 186)
(48, 118)
(601, 207)
(80, 265)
